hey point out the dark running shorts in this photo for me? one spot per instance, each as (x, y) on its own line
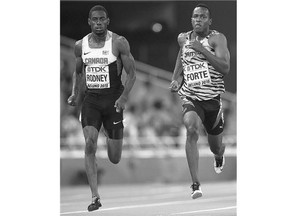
(99, 109)
(210, 113)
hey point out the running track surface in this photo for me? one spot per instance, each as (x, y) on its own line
(219, 199)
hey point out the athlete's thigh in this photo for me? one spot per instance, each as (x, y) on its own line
(113, 121)
(192, 114)
(192, 122)
(214, 119)
(90, 132)
(91, 115)
(114, 146)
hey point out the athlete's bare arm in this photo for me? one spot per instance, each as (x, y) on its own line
(77, 74)
(129, 66)
(221, 60)
(178, 65)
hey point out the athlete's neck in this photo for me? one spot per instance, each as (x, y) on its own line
(201, 34)
(98, 37)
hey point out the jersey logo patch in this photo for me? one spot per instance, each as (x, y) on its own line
(117, 122)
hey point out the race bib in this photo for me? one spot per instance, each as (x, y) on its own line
(97, 77)
(197, 74)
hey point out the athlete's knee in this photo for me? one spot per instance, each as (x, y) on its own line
(114, 156)
(215, 143)
(115, 151)
(115, 159)
(192, 132)
(217, 149)
(90, 147)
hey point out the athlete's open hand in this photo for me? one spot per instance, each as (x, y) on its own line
(120, 103)
(72, 100)
(174, 86)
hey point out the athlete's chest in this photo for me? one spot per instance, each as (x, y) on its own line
(98, 53)
(108, 45)
(189, 53)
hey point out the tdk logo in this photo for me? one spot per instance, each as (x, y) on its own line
(97, 69)
(197, 66)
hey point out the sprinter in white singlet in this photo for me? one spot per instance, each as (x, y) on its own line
(100, 57)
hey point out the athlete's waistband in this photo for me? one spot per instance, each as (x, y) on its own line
(197, 99)
(106, 92)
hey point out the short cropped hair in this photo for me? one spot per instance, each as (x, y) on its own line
(98, 8)
(204, 6)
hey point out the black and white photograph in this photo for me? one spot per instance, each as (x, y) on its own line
(143, 108)
(148, 108)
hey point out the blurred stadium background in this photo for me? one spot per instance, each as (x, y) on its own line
(154, 139)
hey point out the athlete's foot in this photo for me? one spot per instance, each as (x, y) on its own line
(196, 190)
(95, 204)
(219, 164)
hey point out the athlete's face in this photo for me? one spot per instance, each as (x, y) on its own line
(98, 22)
(201, 20)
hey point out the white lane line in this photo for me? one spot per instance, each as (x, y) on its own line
(146, 194)
(156, 193)
(148, 191)
(127, 199)
(205, 210)
(75, 212)
(154, 204)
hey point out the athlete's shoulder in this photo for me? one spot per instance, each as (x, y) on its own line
(118, 38)
(78, 48)
(78, 43)
(182, 37)
(216, 37)
(120, 41)
(217, 34)
(184, 34)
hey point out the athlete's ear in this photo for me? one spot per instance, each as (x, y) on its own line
(108, 21)
(89, 22)
(210, 21)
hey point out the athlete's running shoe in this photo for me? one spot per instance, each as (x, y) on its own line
(95, 204)
(219, 164)
(196, 190)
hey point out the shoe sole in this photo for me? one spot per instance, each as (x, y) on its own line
(90, 210)
(93, 208)
(196, 195)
